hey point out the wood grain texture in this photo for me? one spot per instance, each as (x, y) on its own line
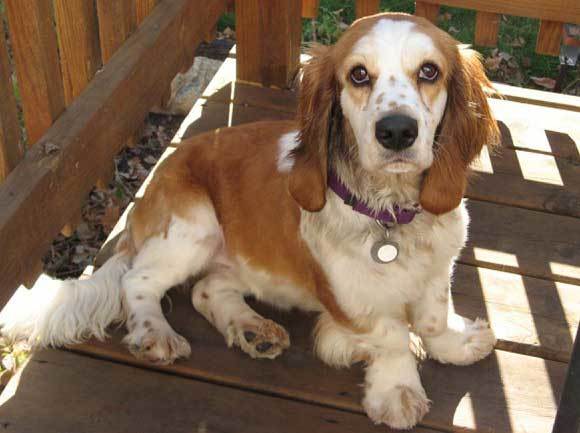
(526, 242)
(268, 41)
(364, 8)
(549, 38)
(506, 392)
(310, 8)
(122, 399)
(10, 145)
(530, 180)
(57, 173)
(554, 10)
(487, 29)
(538, 97)
(117, 20)
(78, 37)
(143, 8)
(35, 49)
(531, 316)
(427, 10)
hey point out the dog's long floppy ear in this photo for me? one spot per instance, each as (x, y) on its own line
(308, 177)
(467, 125)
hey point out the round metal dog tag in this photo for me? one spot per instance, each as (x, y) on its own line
(384, 251)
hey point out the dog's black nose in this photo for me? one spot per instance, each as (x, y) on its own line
(396, 132)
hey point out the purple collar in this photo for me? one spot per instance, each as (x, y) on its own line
(400, 216)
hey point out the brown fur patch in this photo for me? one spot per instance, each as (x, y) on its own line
(234, 170)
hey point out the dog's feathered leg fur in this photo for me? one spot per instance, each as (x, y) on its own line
(55, 312)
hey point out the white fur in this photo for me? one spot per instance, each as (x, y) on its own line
(55, 313)
(394, 51)
(286, 144)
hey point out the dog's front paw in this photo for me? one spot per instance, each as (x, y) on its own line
(463, 344)
(157, 344)
(259, 337)
(479, 342)
(400, 407)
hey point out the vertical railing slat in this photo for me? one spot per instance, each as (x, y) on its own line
(310, 8)
(427, 10)
(36, 57)
(365, 8)
(78, 37)
(268, 46)
(143, 8)
(549, 38)
(117, 20)
(487, 29)
(10, 144)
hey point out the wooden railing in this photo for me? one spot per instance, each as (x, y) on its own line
(552, 13)
(55, 61)
(86, 80)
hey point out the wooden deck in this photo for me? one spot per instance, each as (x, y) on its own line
(520, 270)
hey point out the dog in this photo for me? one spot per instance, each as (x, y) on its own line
(354, 211)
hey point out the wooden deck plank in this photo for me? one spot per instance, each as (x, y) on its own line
(528, 315)
(513, 393)
(35, 200)
(64, 392)
(523, 241)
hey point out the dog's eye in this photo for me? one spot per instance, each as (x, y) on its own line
(359, 75)
(428, 72)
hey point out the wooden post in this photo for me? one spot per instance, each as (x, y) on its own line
(268, 49)
(486, 29)
(549, 38)
(143, 8)
(35, 49)
(365, 8)
(117, 21)
(10, 150)
(78, 37)
(427, 10)
(310, 8)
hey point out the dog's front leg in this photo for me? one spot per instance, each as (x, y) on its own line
(393, 391)
(449, 338)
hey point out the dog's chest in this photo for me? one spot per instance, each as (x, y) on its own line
(364, 287)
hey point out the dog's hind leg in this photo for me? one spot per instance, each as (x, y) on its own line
(163, 261)
(219, 297)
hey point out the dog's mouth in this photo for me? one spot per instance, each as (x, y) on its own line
(400, 163)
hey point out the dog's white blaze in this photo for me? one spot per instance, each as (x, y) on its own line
(287, 143)
(396, 50)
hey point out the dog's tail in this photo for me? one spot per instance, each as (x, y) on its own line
(55, 312)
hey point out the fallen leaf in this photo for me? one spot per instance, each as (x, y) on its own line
(545, 82)
(492, 63)
(505, 56)
(518, 42)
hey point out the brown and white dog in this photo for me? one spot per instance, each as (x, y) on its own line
(395, 112)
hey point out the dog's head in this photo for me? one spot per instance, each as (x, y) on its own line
(412, 98)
